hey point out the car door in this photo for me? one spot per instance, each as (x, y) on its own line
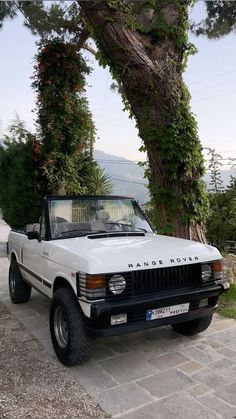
(31, 257)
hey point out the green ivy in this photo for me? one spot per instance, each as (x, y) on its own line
(65, 123)
(177, 143)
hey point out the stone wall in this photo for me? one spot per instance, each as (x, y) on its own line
(230, 268)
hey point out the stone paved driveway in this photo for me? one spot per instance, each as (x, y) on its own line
(154, 374)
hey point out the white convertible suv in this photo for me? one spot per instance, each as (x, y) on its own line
(107, 272)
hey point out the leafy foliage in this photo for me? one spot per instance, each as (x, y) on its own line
(59, 160)
(7, 9)
(65, 122)
(215, 172)
(221, 223)
(98, 182)
(227, 303)
(26, 176)
(20, 190)
(220, 19)
(46, 19)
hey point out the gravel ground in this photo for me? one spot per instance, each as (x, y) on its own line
(32, 384)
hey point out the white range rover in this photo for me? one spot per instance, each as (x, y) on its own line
(107, 273)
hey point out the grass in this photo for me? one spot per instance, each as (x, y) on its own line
(227, 303)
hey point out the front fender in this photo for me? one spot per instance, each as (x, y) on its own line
(69, 279)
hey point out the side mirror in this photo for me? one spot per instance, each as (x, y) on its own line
(33, 235)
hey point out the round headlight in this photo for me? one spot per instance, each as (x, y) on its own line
(117, 284)
(206, 273)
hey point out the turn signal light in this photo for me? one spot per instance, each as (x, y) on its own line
(91, 287)
(217, 269)
(95, 282)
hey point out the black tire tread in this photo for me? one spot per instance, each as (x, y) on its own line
(79, 347)
(193, 327)
(22, 291)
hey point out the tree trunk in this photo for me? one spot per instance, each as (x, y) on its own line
(144, 46)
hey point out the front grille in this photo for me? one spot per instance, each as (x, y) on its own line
(165, 279)
(151, 281)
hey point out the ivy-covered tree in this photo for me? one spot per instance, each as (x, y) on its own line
(65, 123)
(146, 45)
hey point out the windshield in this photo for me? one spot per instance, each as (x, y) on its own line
(76, 216)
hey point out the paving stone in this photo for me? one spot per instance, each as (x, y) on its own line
(160, 333)
(47, 344)
(228, 393)
(213, 343)
(199, 390)
(224, 324)
(201, 356)
(180, 405)
(133, 342)
(211, 379)
(191, 367)
(229, 353)
(41, 334)
(233, 330)
(220, 364)
(225, 337)
(169, 360)
(34, 324)
(118, 347)
(93, 378)
(25, 314)
(151, 350)
(101, 351)
(128, 367)
(15, 308)
(166, 382)
(218, 405)
(229, 372)
(205, 347)
(123, 398)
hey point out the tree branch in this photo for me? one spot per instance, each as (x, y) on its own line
(90, 49)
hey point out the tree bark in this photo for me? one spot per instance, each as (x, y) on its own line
(149, 68)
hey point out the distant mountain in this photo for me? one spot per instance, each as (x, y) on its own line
(128, 178)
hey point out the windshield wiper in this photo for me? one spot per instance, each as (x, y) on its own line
(117, 223)
(82, 231)
(137, 228)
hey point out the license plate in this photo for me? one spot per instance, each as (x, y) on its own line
(159, 313)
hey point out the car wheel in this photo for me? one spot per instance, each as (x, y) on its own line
(193, 327)
(19, 289)
(69, 336)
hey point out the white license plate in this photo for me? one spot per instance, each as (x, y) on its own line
(159, 313)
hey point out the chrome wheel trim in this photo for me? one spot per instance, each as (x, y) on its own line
(61, 328)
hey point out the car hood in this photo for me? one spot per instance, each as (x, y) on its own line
(122, 254)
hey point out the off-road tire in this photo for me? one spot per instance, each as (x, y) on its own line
(19, 289)
(193, 327)
(76, 346)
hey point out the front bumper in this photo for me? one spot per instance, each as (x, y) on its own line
(136, 308)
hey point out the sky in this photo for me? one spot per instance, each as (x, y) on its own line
(210, 76)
